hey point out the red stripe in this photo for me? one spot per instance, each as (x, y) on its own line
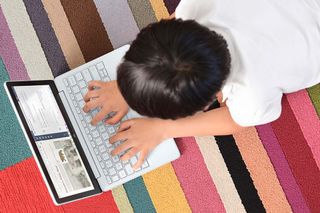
(299, 155)
(195, 179)
(22, 188)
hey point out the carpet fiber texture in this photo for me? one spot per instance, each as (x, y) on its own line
(268, 168)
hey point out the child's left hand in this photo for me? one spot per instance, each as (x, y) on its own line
(139, 135)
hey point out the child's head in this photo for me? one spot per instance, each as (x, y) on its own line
(173, 69)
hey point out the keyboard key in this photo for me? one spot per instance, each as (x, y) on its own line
(115, 178)
(75, 103)
(102, 148)
(133, 160)
(101, 73)
(115, 158)
(112, 171)
(72, 97)
(84, 124)
(95, 133)
(108, 180)
(118, 166)
(75, 89)
(99, 158)
(72, 80)
(93, 127)
(105, 72)
(90, 137)
(78, 96)
(79, 76)
(84, 91)
(102, 128)
(93, 145)
(100, 66)
(111, 130)
(81, 103)
(122, 174)
(65, 81)
(88, 118)
(87, 131)
(82, 84)
(145, 164)
(102, 165)
(78, 110)
(105, 156)
(105, 136)
(128, 169)
(87, 75)
(81, 117)
(96, 151)
(94, 73)
(109, 164)
(105, 172)
(69, 90)
(98, 141)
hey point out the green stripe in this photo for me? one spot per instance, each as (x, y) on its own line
(314, 93)
(13, 145)
(142, 12)
(139, 196)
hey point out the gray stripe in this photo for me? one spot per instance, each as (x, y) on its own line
(118, 21)
(142, 12)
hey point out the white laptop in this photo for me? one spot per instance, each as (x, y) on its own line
(73, 156)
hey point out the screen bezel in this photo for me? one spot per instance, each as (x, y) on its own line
(96, 189)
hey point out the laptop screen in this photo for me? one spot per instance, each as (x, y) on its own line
(53, 140)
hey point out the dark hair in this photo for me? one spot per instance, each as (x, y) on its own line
(173, 69)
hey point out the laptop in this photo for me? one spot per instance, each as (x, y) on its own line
(73, 156)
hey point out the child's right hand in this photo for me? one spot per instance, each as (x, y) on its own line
(107, 97)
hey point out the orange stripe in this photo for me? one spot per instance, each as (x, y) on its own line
(261, 171)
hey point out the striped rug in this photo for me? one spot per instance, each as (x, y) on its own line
(273, 167)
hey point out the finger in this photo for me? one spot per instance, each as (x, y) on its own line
(91, 105)
(142, 157)
(121, 148)
(100, 116)
(94, 84)
(117, 117)
(118, 137)
(125, 125)
(91, 94)
(130, 153)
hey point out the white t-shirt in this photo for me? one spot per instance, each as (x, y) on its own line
(274, 47)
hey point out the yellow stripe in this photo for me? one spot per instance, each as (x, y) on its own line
(26, 40)
(159, 9)
(121, 199)
(261, 171)
(165, 191)
(64, 33)
(220, 174)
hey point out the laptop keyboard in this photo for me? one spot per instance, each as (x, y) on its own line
(98, 136)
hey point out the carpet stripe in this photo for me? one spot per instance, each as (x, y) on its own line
(314, 93)
(114, 14)
(261, 171)
(171, 5)
(13, 196)
(220, 175)
(13, 145)
(239, 173)
(64, 33)
(165, 191)
(280, 164)
(121, 199)
(299, 155)
(142, 12)
(46, 36)
(159, 9)
(9, 52)
(139, 196)
(21, 28)
(308, 120)
(87, 27)
(194, 178)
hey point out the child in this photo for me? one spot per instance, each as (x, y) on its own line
(246, 53)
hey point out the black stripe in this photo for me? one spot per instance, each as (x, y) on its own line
(238, 171)
(47, 37)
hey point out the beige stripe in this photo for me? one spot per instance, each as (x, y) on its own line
(121, 199)
(64, 33)
(261, 171)
(159, 9)
(219, 173)
(26, 39)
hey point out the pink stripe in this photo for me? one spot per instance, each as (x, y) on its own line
(195, 179)
(9, 52)
(280, 164)
(308, 120)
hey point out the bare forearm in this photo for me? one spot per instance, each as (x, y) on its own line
(214, 122)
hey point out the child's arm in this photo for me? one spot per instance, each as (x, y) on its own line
(144, 134)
